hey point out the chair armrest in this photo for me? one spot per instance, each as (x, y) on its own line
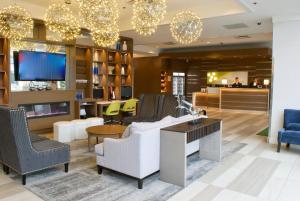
(122, 155)
(281, 131)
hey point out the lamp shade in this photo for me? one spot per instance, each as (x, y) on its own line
(224, 81)
(266, 82)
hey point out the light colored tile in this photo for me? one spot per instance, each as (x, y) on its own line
(244, 197)
(231, 174)
(255, 177)
(283, 170)
(221, 168)
(226, 195)
(231, 137)
(10, 189)
(290, 191)
(208, 194)
(189, 192)
(4, 179)
(272, 189)
(24, 196)
(283, 156)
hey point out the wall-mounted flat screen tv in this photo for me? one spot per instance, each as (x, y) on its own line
(39, 66)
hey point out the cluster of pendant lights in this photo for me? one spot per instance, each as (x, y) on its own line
(101, 18)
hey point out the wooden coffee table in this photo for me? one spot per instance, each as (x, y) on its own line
(105, 131)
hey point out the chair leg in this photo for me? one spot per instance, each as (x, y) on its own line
(24, 179)
(140, 183)
(99, 169)
(67, 167)
(288, 145)
(6, 170)
(278, 147)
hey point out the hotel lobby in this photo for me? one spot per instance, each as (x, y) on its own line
(149, 100)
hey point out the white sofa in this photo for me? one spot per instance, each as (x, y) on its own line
(138, 154)
(67, 131)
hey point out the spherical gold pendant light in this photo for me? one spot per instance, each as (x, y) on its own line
(105, 38)
(186, 27)
(59, 19)
(147, 14)
(15, 23)
(101, 17)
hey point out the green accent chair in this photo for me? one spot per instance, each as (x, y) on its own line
(129, 106)
(111, 111)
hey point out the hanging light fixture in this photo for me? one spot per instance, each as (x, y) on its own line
(98, 13)
(18, 45)
(101, 17)
(15, 23)
(105, 38)
(60, 19)
(53, 48)
(186, 27)
(147, 14)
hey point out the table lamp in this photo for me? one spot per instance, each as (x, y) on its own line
(266, 82)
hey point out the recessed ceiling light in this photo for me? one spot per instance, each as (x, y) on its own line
(208, 42)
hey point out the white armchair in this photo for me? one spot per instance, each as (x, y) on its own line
(137, 155)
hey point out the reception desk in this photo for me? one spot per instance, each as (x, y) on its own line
(235, 99)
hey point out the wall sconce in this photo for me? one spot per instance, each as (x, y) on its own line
(212, 77)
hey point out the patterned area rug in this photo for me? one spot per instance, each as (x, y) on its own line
(83, 183)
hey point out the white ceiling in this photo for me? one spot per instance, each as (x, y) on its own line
(215, 14)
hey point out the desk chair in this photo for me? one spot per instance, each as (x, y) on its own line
(129, 106)
(112, 110)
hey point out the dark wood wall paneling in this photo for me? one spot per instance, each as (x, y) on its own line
(197, 71)
(147, 75)
(257, 61)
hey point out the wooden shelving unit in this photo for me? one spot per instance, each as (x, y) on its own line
(163, 82)
(112, 68)
(83, 71)
(4, 71)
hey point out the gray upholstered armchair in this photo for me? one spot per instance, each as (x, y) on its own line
(148, 106)
(25, 153)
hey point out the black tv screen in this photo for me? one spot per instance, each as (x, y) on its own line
(39, 66)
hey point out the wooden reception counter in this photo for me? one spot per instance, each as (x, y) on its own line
(234, 98)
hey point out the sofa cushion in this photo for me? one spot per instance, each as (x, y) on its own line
(127, 132)
(293, 126)
(99, 149)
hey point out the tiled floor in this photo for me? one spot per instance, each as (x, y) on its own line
(255, 173)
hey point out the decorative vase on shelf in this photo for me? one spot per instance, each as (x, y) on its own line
(125, 58)
(123, 71)
(118, 45)
(124, 46)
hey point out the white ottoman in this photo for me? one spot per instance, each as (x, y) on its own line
(95, 121)
(63, 131)
(80, 127)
